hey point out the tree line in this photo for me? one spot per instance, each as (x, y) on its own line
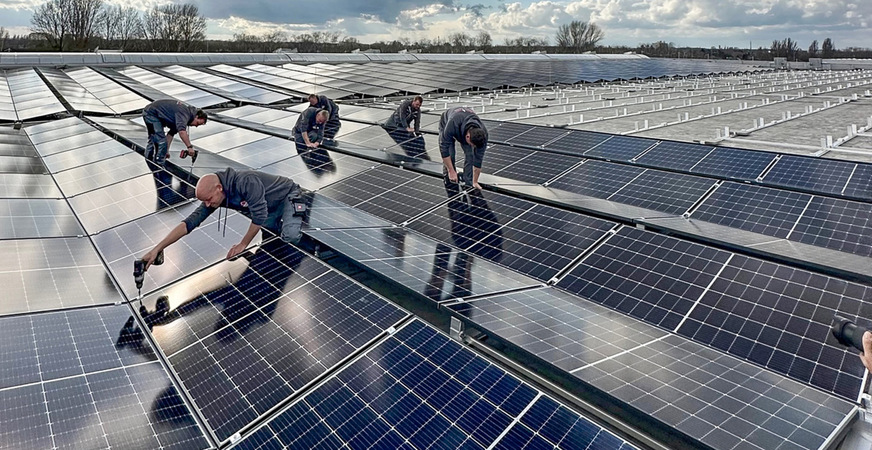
(84, 25)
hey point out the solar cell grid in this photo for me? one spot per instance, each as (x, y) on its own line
(860, 184)
(36, 218)
(71, 142)
(577, 142)
(773, 212)
(501, 156)
(816, 175)
(841, 225)
(596, 178)
(503, 131)
(717, 399)
(618, 148)
(84, 155)
(675, 155)
(734, 163)
(537, 168)
(267, 344)
(16, 185)
(537, 136)
(326, 213)
(646, 275)
(779, 317)
(419, 389)
(21, 165)
(671, 193)
(103, 173)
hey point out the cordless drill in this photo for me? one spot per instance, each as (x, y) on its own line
(139, 270)
(185, 152)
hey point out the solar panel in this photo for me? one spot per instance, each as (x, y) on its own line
(773, 212)
(172, 88)
(36, 218)
(675, 155)
(248, 341)
(577, 142)
(498, 157)
(537, 136)
(22, 165)
(734, 163)
(860, 184)
(389, 193)
(779, 317)
(17, 185)
(86, 139)
(261, 153)
(671, 193)
(503, 131)
(103, 173)
(419, 389)
(441, 275)
(71, 379)
(318, 168)
(326, 213)
(538, 167)
(649, 276)
(841, 225)
(596, 178)
(84, 155)
(113, 205)
(817, 175)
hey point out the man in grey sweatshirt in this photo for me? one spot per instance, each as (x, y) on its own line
(399, 127)
(309, 129)
(268, 200)
(464, 126)
(172, 114)
(333, 123)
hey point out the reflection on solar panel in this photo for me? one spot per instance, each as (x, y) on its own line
(113, 205)
(84, 155)
(120, 99)
(41, 275)
(772, 212)
(172, 88)
(779, 317)
(326, 213)
(537, 168)
(596, 178)
(76, 382)
(734, 163)
(22, 165)
(675, 155)
(392, 194)
(79, 98)
(646, 275)
(30, 95)
(503, 131)
(32, 218)
(443, 274)
(252, 332)
(419, 389)
(103, 173)
(17, 185)
(537, 136)
(663, 191)
(838, 224)
(714, 399)
(248, 92)
(816, 175)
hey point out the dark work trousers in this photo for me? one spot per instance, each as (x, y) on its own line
(332, 127)
(283, 222)
(156, 148)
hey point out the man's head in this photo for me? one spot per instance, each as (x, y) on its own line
(417, 102)
(475, 137)
(313, 99)
(322, 116)
(210, 191)
(199, 118)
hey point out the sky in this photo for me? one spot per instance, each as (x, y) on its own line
(693, 23)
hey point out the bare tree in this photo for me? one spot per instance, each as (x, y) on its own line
(4, 35)
(785, 48)
(459, 39)
(273, 40)
(175, 28)
(828, 48)
(484, 39)
(83, 21)
(813, 49)
(579, 36)
(51, 21)
(192, 26)
(120, 25)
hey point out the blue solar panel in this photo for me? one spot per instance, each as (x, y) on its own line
(419, 389)
(498, 157)
(675, 155)
(536, 136)
(596, 178)
(620, 148)
(672, 193)
(649, 276)
(841, 225)
(816, 175)
(538, 167)
(758, 209)
(734, 163)
(577, 142)
(779, 317)
(860, 185)
(503, 131)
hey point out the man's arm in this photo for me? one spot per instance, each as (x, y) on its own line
(183, 135)
(174, 235)
(417, 118)
(249, 235)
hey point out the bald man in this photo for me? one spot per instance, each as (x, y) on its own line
(268, 200)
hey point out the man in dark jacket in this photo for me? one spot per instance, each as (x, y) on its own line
(172, 114)
(464, 126)
(308, 131)
(268, 200)
(399, 126)
(333, 124)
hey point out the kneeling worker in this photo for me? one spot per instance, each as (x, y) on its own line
(309, 129)
(268, 200)
(464, 126)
